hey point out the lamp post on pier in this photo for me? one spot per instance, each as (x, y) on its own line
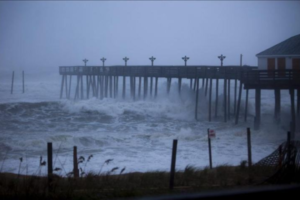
(221, 57)
(125, 59)
(152, 60)
(185, 58)
(85, 61)
(103, 61)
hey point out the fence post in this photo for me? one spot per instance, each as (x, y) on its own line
(75, 163)
(280, 156)
(50, 166)
(209, 150)
(173, 163)
(23, 80)
(12, 82)
(249, 147)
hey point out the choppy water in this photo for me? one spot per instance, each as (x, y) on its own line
(135, 134)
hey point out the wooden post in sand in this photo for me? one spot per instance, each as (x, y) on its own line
(23, 81)
(249, 147)
(209, 150)
(75, 163)
(12, 82)
(50, 165)
(173, 163)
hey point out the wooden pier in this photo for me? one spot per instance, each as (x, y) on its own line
(103, 82)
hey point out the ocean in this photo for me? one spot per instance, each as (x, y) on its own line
(136, 135)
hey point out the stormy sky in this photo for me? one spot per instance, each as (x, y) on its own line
(44, 35)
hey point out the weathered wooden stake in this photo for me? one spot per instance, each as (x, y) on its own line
(298, 102)
(50, 165)
(75, 163)
(249, 147)
(173, 164)
(209, 150)
(280, 156)
(289, 148)
(23, 81)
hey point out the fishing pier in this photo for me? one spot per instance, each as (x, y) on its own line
(104, 82)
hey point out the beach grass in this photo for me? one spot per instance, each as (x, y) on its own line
(110, 185)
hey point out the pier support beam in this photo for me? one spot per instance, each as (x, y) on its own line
(169, 81)
(235, 94)
(197, 95)
(257, 108)
(246, 104)
(209, 100)
(124, 87)
(179, 85)
(66, 85)
(110, 86)
(155, 88)
(238, 104)
(81, 86)
(225, 100)
(70, 83)
(206, 85)
(151, 86)
(293, 113)
(217, 98)
(106, 86)
(140, 87)
(228, 99)
(277, 105)
(61, 86)
(145, 87)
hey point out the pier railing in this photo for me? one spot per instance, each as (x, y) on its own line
(270, 79)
